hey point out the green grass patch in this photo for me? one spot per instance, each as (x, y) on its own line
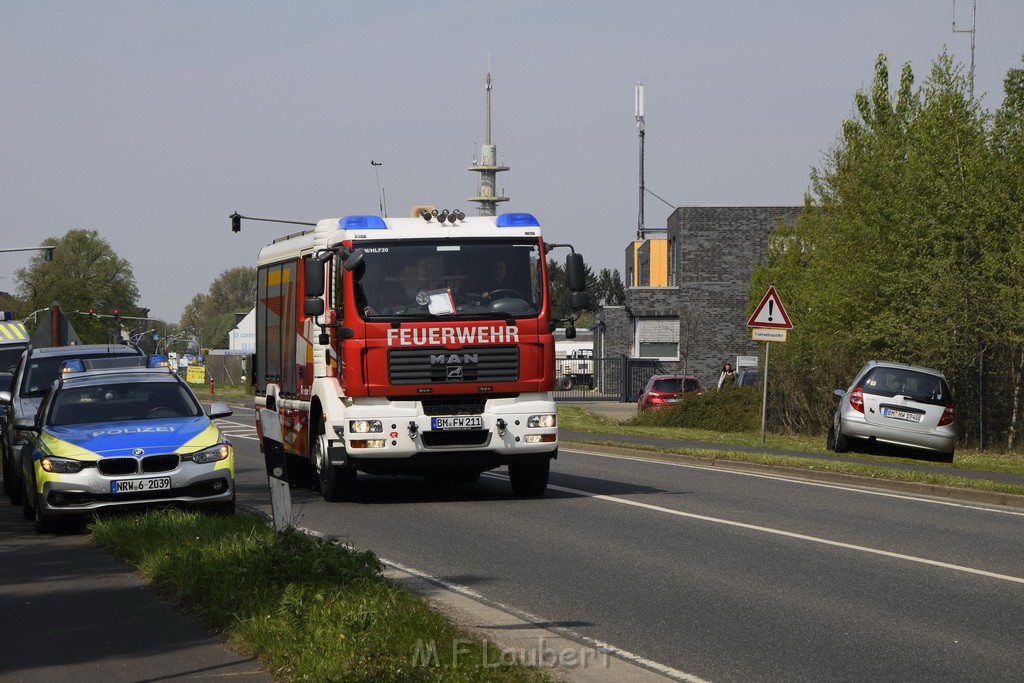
(309, 609)
(726, 418)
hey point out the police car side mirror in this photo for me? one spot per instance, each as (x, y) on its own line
(216, 410)
(26, 424)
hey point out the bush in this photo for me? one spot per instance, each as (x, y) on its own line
(729, 410)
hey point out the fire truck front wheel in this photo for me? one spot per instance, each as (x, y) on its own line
(337, 482)
(529, 479)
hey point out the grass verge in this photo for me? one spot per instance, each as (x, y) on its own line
(664, 424)
(309, 609)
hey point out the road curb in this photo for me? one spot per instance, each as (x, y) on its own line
(921, 488)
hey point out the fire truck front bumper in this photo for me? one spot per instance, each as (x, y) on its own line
(394, 435)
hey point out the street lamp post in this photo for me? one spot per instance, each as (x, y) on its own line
(48, 248)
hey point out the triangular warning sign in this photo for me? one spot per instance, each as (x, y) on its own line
(770, 313)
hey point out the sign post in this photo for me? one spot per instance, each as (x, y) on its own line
(770, 323)
(277, 470)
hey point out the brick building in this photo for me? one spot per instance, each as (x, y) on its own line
(696, 320)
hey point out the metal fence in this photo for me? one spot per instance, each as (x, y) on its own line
(603, 379)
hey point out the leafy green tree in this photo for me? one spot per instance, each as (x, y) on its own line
(85, 274)
(908, 247)
(209, 318)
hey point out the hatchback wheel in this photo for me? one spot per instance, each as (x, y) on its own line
(840, 443)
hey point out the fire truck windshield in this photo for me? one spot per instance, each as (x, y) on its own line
(427, 279)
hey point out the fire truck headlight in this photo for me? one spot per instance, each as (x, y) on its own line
(536, 421)
(365, 426)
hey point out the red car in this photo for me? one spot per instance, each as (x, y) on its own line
(664, 390)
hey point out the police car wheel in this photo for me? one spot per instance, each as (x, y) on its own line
(17, 493)
(45, 524)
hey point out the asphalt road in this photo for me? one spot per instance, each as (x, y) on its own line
(712, 574)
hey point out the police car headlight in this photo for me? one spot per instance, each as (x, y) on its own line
(219, 452)
(365, 426)
(52, 463)
(541, 421)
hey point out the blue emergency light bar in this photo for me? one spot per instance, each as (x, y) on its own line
(517, 220)
(362, 223)
(6, 315)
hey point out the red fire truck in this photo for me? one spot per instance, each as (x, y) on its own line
(416, 346)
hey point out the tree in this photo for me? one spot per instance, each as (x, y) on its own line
(609, 290)
(209, 318)
(909, 247)
(84, 274)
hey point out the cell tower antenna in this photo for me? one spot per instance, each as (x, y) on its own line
(972, 31)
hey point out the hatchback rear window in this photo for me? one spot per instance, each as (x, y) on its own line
(675, 384)
(919, 386)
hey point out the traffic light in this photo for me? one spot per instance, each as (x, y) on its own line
(92, 316)
(117, 315)
(236, 222)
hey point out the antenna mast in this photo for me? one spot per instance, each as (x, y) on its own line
(974, 24)
(639, 110)
(488, 168)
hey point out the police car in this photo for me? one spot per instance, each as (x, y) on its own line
(123, 437)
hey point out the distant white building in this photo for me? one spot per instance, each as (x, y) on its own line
(243, 337)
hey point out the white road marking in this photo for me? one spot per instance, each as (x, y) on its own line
(569, 633)
(807, 482)
(780, 532)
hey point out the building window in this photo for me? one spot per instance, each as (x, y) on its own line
(657, 338)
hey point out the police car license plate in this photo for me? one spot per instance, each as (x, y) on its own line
(458, 422)
(136, 485)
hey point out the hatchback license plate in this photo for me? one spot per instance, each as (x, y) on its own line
(136, 485)
(459, 422)
(904, 415)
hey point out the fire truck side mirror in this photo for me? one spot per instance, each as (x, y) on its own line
(579, 300)
(575, 272)
(314, 276)
(312, 307)
(353, 260)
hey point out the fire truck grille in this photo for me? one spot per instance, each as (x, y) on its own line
(454, 406)
(473, 437)
(444, 366)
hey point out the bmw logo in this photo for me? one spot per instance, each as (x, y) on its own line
(138, 451)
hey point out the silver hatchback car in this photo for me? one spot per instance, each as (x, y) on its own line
(898, 404)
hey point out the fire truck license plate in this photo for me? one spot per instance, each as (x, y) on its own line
(459, 422)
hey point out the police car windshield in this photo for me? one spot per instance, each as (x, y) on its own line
(428, 280)
(41, 372)
(120, 401)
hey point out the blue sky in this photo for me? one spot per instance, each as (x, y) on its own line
(151, 122)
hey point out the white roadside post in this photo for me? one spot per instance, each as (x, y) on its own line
(770, 323)
(277, 470)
